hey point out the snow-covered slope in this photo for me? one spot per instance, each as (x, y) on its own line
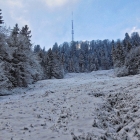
(94, 106)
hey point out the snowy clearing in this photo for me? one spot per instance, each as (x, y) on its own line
(94, 106)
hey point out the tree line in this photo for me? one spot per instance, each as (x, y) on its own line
(77, 56)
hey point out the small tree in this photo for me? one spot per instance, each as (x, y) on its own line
(25, 37)
(81, 62)
(49, 64)
(92, 65)
(54, 68)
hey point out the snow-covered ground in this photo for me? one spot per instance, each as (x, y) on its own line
(94, 106)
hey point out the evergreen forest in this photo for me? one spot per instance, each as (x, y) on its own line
(22, 63)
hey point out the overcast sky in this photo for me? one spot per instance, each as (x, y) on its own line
(50, 20)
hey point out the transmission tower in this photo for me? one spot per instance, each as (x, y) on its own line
(72, 29)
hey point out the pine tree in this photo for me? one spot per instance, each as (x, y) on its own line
(135, 39)
(49, 64)
(118, 54)
(54, 68)
(25, 65)
(63, 59)
(1, 21)
(113, 53)
(37, 48)
(5, 60)
(25, 37)
(127, 43)
(14, 37)
(81, 62)
(104, 61)
(121, 55)
(55, 48)
(71, 65)
(57, 67)
(73, 48)
(92, 65)
(96, 63)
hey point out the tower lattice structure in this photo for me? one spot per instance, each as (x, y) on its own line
(72, 29)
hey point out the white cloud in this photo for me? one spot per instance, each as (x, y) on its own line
(134, 29)
(59, 3)
(15, 3)
(131, 30)
(21, 21)
(17, 11)
(55, 3)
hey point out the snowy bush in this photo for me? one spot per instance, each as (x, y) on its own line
(131, 65)
(126, 55)
(122, 71)
(4, 81)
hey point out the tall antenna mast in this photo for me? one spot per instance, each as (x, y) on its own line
(72, 29)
